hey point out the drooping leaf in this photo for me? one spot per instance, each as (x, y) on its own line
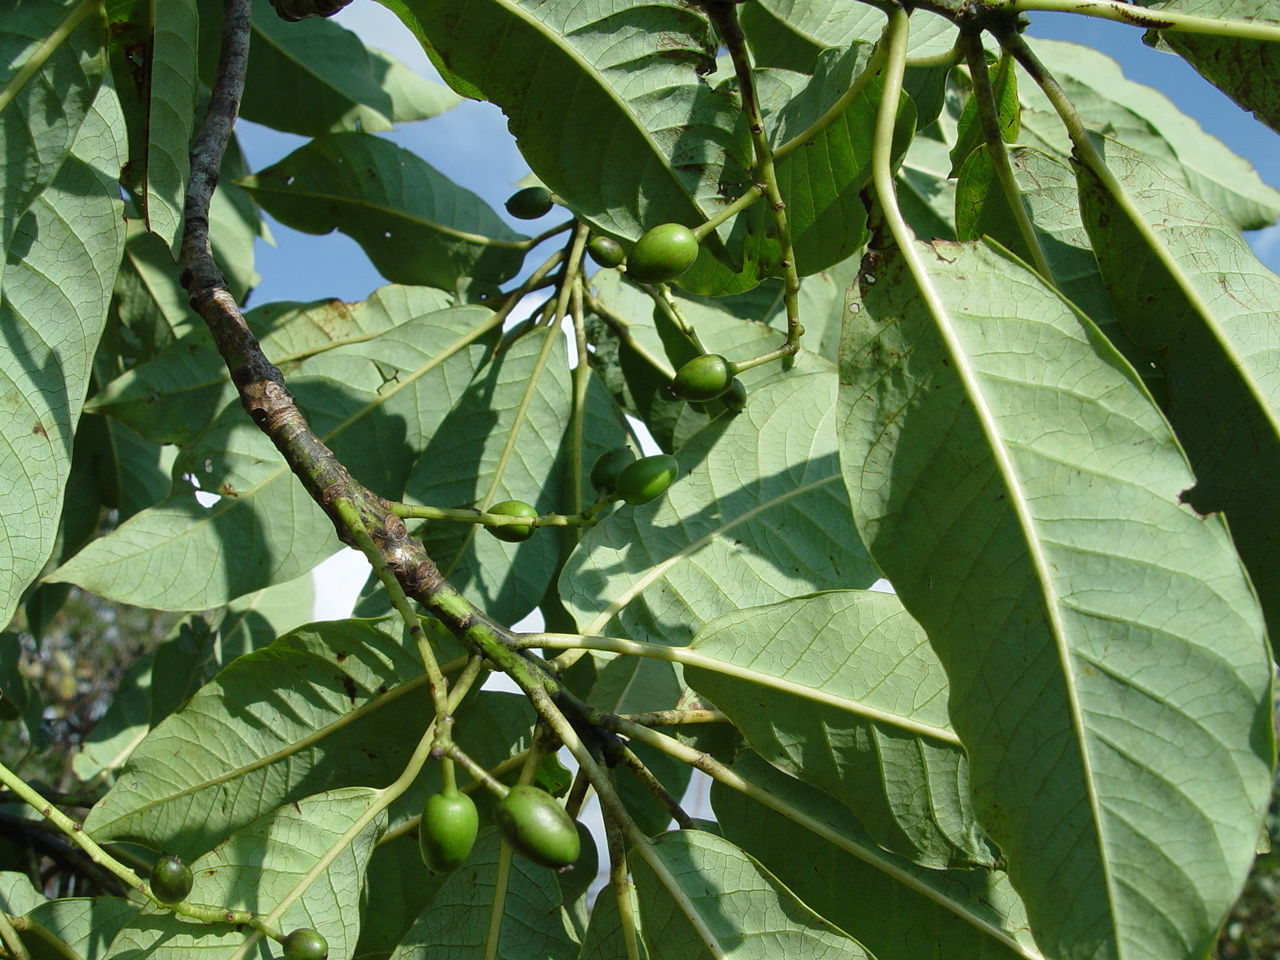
(343, 688)
(1003, 81)
(153, 62)
(842, 690)
(893, 907)
(757, 515)
(1248, 71)
(315, 76)
(53, 63)
(375, 401)
(416, 225)
(455, 925)
(1145, 119)
(1190, 291)
(60, 261)
(701, 897)
(606, 100)
(1021, 491)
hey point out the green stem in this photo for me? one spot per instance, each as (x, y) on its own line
(478, 773)
(9, 936)
(674, 718)
(1151, 19)
(727, 212)
(437, 685)
(868, 852)
(655, 787)
(74, 831)
(988, 113)
(661, 295)
(499, 906)
(40, 56)
(546, 235)
(725, 17)
(687, 656)
(586, 518)
(623, 889)
(859, 84)
(578, 415)
(385, 797)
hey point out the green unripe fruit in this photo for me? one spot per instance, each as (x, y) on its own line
(170, 879)
(447, 831)
(662, 254)
(515, 532)
(536, 826)
(702, 378)
(305, 944)
(647, 478)
(530, 203)
(606, 251)
(735, 398)
(604, 473)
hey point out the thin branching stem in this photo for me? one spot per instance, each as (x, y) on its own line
(998, 154)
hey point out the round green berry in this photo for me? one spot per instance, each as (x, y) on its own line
(447, 830)
(515, 532)
(537, 826)
(305, 944)
(662, 254)
(170, 879)
(606, 251)
(604, 473)
(530, 203)
(703, 378)
(647, 478)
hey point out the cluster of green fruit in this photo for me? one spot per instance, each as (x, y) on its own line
(171, 883)
(661, 254)
(527, 817)
(617, 474)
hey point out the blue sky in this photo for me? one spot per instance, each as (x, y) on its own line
(471, 145)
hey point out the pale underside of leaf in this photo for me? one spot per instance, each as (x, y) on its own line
(1093, 628)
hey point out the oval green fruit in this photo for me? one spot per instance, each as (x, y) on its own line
(515, 532)
(530, 203)
(604, 472)
(447, 831)
(536, 826)
(662, 254)
(735, 398)
(703, 378)
(170, 879)
(305, 944)
(647, 478)
(606, 251)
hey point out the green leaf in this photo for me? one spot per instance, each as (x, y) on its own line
(17, 893)
(455, 925)
(820, 176)
(60, 266)
(842, 690)
(315, 76)
(373, 399)
(793, 33)
(345, 688)
(1108, 667)
(415, 224)
(757, 515)
(604, 939)
(1190, 291)
(153, 61)
(564, 73)
(267, 862)
(969, 133)
(1048, 188)
(899, 910)
(1248, 71)
(397, 889)
(51, 65)
(82, 927)
(506, 438)
(701, 897)
(1145, 119)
